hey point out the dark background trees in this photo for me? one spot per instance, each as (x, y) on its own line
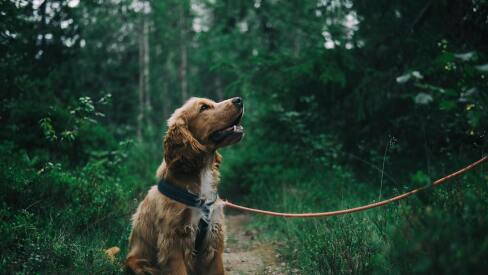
(343, 99)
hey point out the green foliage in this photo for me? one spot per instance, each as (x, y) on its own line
(438, 232)
(445, 234)
(59, 221)
(339, 95)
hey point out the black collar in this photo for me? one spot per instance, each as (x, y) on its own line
(193, 200)
(180, 195)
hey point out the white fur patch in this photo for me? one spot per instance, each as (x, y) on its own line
(207, 188)
(207, 192)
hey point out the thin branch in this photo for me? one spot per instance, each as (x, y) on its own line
(383, 168)
(372, 166)
(421, 15)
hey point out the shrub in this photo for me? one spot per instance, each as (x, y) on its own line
(60, 220)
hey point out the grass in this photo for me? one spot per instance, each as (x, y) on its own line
(438, 231)
(60, 219)
(56, 219)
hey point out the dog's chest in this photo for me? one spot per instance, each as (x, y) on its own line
(207, 192)
(207, 185)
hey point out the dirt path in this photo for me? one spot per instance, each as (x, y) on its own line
(244, 254)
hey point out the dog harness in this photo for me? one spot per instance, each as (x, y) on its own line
(192, 200)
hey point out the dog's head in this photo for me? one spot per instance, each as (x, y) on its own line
(201, 126)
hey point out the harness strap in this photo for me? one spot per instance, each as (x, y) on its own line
(192, 200)
(203, 225)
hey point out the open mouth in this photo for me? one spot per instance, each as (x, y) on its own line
(230, 134)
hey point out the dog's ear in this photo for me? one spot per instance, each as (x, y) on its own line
(181, 150)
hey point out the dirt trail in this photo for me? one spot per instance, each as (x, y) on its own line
(244, 254)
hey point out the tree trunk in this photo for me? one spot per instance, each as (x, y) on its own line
(140, 116)
(166, 97)
(296, 44)
(146, 72)
(183, 53)
(218, 88)
(144, 83)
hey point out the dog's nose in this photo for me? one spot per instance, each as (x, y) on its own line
(237, 101)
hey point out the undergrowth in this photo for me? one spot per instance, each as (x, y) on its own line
(56, 219)
(439, 231)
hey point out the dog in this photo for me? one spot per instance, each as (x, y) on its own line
(164, 230)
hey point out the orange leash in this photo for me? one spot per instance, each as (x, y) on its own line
(360, 208)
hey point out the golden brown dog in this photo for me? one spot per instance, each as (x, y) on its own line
(163, 234)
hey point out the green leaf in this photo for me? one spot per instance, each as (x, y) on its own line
(447, 105)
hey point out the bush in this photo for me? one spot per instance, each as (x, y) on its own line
(289, 170)
(60, 220)
(445, 232)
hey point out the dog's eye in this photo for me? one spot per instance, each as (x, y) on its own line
(204, 107)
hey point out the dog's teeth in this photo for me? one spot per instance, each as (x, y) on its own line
(235, 128)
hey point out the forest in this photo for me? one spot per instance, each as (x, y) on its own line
(347, 102)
